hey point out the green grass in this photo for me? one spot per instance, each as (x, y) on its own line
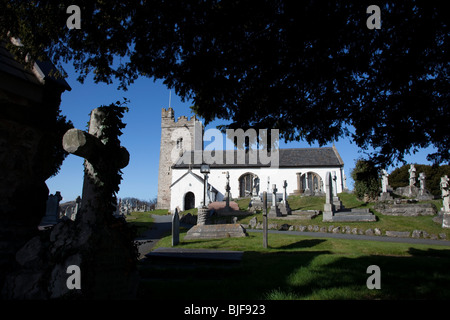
(141, 220)
(384, 222)
(298, 267)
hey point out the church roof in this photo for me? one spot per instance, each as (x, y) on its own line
(196, 176)
(41, 71)
(288, 158)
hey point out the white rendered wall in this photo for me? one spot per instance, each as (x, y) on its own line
(217, 179)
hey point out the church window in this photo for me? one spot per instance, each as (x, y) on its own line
(180, 143)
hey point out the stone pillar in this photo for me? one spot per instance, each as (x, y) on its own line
(175, 228)
(328, 209)
(298, 190)
(203, 216)
(445, 201)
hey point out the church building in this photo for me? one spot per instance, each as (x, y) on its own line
(181, 184)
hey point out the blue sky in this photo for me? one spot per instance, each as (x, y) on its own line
(142, 135)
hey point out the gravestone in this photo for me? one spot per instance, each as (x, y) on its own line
(328, 208)
(52, 211)
(284, 205)
(343, 215)
(336, 201)
(274, 209)
(265, 229)
(385, 189)
(445, 201)
(412, 175)
(424, 194)
(175, 228)
(99, 244)
(255, 203)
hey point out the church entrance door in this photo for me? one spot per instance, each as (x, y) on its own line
(189, 201)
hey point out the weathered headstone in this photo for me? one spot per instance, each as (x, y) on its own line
(423, 193)
(445, 201)
(412, 175)
(52, 211)
(284, 205)
(328, 208)
(175, 228)
(385, 189)
(265, 232)
(274, 209)
(336, 201)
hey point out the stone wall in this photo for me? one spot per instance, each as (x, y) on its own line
(405, 208)
(191, 131)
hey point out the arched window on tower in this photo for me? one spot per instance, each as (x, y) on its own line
(180, 143)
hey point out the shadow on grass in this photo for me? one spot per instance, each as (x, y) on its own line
(305, 275)
(308, 243)
(424, 275)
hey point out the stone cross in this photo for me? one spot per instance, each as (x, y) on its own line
(334, 177)
(445, 194)
(89, 146)
(345, 182)
(384, 180)
(274, 195)
(284, 193)
(412, 175)
(265, 229)
(422, 180)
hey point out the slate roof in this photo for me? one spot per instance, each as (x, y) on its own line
(288, 158)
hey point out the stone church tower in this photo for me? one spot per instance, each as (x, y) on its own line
(176, 138)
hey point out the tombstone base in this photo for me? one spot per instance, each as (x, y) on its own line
(446, 220)
(203, 216)
(337, 203)
(285, 209)
(385, 196)
(274, 212)
(216, 231)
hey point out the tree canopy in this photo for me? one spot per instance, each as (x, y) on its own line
(311, 69)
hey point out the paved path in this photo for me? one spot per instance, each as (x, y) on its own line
(163, 224)
(358, 237)
(160, 226)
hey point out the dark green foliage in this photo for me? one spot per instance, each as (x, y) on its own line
(400, 176)
(365, 175)
(106, 168)
(55, 154)
(309, 69)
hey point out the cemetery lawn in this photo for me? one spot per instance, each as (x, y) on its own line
(300, 267)
(384, 222)
(142, 221)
